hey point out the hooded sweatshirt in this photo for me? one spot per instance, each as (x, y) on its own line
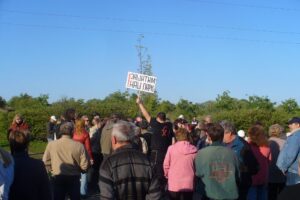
(179, 166)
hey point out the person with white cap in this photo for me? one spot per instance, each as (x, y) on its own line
(181, 117)
(51, 129)
(241, 133)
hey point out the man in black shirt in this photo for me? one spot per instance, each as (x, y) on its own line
(160, 141)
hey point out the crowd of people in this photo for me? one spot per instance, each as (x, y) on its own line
(152, 158)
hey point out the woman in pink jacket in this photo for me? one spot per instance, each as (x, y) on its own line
(179, 167)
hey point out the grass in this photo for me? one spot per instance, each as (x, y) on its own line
(36, 147)
(3, 141)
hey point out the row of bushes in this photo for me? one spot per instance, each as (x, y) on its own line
(243, 113)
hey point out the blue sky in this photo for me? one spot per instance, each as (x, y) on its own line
(84, 49)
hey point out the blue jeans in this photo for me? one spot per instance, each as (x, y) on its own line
(292, 178)
(258, 193)
(83, 184)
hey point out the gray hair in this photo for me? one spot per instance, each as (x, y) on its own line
(228, 126)
(124, 131)
(276, 130)
(66, 128)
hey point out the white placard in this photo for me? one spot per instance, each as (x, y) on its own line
(141, 82)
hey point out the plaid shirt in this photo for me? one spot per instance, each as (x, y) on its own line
(127, 174)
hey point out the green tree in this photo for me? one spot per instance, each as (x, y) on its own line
(166, 106)
(186, 108)
(57, 108)
(206, 108)
(2, 102)
(256, 102)
(3, 127)
(27, 101)
(289, 106)
(225, 101)
(121, 103)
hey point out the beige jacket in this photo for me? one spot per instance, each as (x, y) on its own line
(65, 157)
(105, 141)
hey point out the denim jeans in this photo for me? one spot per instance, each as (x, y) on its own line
(83, 184)
(93, 174)
(66, 185)
(258, 193)
(292, 178)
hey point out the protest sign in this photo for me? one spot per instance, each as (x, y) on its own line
(141, 82)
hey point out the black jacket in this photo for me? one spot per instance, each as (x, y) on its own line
(127, 174)
(248, 163)
(30, 179)
(51, 130)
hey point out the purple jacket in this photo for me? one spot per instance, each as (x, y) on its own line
(179, 166)
(263, 157)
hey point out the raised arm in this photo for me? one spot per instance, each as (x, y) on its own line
(143, 109)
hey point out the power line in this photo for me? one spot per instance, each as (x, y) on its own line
(152, 33)
(153, 22)
(246, 5)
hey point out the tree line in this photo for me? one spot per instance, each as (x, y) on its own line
(243, 112)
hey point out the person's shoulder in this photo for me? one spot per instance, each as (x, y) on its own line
(51, 143)
(169, 123)
(75, 144)
(108, 127)
(128, 154)
(85, 134)
(141, 158)
(295, 135)
(229, 151)
(37, 163)
(223, 150)
(241, 144)
(205, 150)
(147, 134)
(153, 120)
(173, 146)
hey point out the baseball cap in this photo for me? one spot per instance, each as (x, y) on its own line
(53, 118)
(294, 120)
(180, 117)
(241, 133)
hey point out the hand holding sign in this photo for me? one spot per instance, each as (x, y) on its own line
(139, 100)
